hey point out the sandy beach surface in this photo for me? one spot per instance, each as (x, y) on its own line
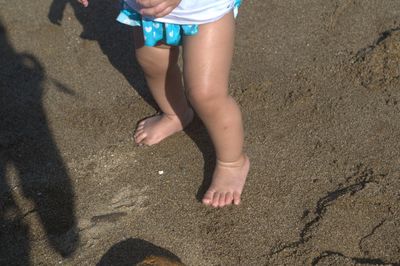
(318, 82)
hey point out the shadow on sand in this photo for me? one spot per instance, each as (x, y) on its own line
(35, 187)
(116, 42)
(198, 133)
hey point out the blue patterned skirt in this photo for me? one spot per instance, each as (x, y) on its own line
(154, 31)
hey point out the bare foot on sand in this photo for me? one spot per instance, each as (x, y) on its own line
(227, 183)
(154, 129)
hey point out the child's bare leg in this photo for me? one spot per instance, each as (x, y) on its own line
(207, 60)
(164, 80)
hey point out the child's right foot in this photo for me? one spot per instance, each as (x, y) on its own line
(227, 183)
(154, 129)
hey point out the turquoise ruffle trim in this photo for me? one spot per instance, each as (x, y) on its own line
(154, 31)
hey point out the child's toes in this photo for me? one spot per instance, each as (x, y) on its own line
(141, 123)
(140, 127)
(222, 200)
(136, 137)
(215, 201)
(207, 199)
(139, 137)
(228, 198)
(138, 132)
(236, 198)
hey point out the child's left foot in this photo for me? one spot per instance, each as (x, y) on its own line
(154, 129)
(227, 183)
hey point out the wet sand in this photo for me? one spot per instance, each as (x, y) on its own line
(319, 86)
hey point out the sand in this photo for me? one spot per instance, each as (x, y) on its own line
(319, 86)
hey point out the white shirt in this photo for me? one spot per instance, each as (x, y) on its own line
(193, 11)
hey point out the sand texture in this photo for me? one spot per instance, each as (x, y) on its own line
(318, 82)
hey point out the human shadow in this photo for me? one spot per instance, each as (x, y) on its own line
(99, 24)
(116, 42)
(31, 167)
(199, 135)
(134, 251)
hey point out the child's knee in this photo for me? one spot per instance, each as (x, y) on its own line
(155, 61)
(209, 96)
(150, 65)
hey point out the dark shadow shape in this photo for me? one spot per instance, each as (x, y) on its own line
(27, 145)
(133, 251)
(199, 135)
(116, 42)
(115, 39)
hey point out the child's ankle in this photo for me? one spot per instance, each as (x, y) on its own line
(181, 115)
(233, 164)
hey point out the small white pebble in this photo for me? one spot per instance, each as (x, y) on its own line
(160, 172)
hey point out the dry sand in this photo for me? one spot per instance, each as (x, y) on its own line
(319, 86)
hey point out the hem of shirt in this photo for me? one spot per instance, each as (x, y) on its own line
(188, 22)
(194, 22)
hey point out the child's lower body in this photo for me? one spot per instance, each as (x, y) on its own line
(207, 58)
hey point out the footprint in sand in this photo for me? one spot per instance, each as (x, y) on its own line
(130, 199)
(128, 202)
